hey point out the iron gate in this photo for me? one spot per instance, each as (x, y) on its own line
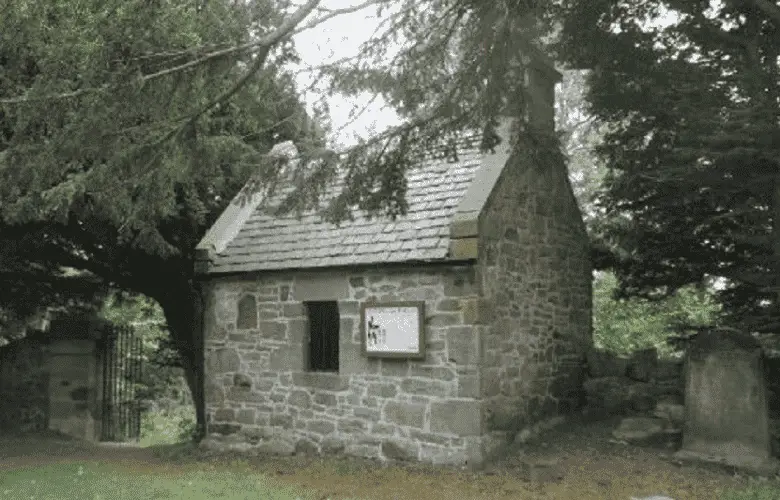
(122, 365)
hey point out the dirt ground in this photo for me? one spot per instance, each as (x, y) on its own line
(576, 461)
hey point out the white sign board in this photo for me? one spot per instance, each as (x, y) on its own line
(393, 330)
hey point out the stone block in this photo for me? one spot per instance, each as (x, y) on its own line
(468, 386)
(224, 415)
(276, 446)
(325, 381)
(321, 287)
(671, 370)
(299, 399)
(370, 402)
(349, 308)
(216, 333)
(642, 366)
(463, 346)
(671, 411)
(288, 358)
(321, 426)
(459, 417)
(443, 319)
(325, 399)
(332, 446)
(366, 413)
(463, 248)
(394, 449)
(490, 383)
(306, 447)
(242, 380)
(273, 330)
(357, 282)
(352, 426)
(352, 361)
(428, 437)
(298, 330)
(394, 367)
(617, 395)
(246, 416)
(475, 311)
(281, 420)
(224, 429)
(448, 305)
(381, 429)
(277, 397)
(442, 373)
(641, 430)
(381, 390)
(293, 310)
(254, 435)
(407, 414)
(223, 360)
(215, 395)
(424, 387)
(461, 282)
(269, 313)
(362, 450)
(503, 414)
(604, 364)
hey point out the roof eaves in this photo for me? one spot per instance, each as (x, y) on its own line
(464, 225)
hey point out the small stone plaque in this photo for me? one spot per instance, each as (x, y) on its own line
(393, 329)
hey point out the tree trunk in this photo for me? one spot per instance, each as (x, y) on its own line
(183, 308)
(776, 241)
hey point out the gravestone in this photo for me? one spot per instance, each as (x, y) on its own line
(726, 412)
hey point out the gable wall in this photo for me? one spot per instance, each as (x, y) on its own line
(259, 396)
(536, 276)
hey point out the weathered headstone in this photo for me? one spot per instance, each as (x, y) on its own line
(726, 413)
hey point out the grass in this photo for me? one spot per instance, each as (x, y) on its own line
(753, 493)
(167, 426)
(171, 467)
(110, 482)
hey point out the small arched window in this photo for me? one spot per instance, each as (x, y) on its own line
(247, 313)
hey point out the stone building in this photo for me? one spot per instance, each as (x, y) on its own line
(492, 254)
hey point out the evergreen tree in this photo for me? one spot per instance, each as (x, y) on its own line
(689, 95)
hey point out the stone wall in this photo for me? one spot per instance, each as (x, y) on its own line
(51, 381)
(629, 385)
(536, 276)
(259, 397)
(24, 384)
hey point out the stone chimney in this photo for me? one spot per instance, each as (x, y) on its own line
(540, 80)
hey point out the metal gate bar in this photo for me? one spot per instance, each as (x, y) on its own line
(122, 369)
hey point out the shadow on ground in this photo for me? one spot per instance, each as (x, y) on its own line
(579, 460)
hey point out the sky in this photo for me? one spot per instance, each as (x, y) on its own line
(337, 38)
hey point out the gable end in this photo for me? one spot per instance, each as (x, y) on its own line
(464, 225)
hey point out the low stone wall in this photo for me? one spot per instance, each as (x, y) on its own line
(650, 393)
(24, 385)
(624, 386)
(51, 381)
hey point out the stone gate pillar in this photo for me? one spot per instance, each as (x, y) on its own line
(74, 378)
(726, 412)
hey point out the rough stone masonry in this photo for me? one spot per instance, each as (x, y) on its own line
(495, 247)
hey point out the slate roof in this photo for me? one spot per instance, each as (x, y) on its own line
(434, 190)
(249, 239)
